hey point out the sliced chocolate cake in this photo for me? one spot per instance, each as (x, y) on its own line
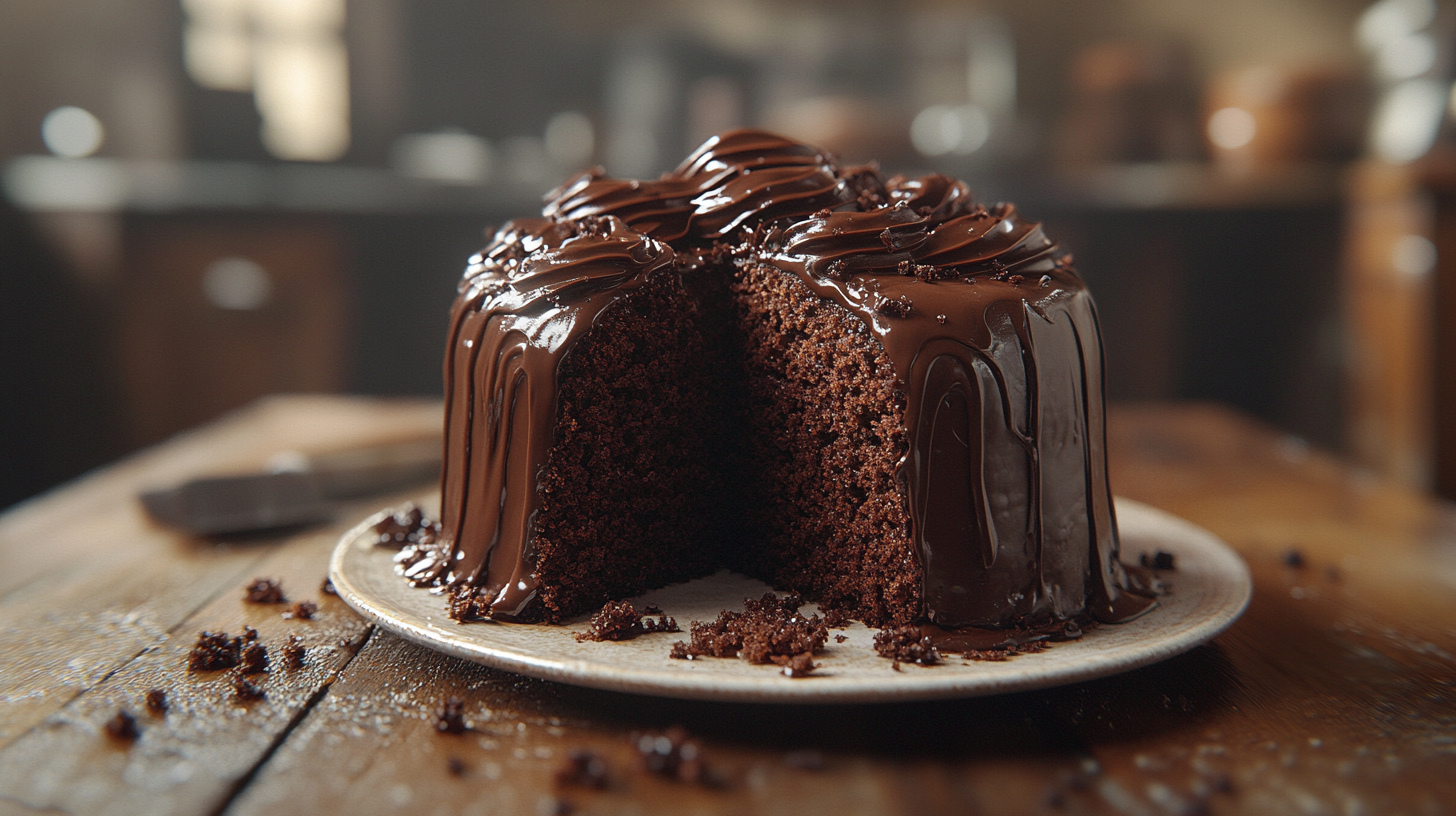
(877, 393)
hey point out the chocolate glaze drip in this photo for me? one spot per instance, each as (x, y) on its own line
(524, 302)
(993, 338)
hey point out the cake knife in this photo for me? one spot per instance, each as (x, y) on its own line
(296, 488)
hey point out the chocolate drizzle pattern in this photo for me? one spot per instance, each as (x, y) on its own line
(993, 337)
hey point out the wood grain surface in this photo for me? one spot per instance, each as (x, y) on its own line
(1334, 694)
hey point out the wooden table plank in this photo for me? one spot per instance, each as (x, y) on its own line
(1335, 694)
(190, 759)
(90, 582)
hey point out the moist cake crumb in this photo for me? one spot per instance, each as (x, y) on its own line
(450, 719)
(123, 726)
(799, 665)
(245, 691)
(584, 769)
(673, 754)
(156, 701)
(768, 628)
(906, 644)
(619, 620)
(253, 659)
(214, 651)
(293, 652)
(1160, 560)
(303, 610)
(264, 591)
(407, 526)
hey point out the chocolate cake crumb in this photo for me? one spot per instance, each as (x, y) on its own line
(619, 620)
(253, 659)
(123, 726)
(583, 769)
(1159, 560)
(799, 665)
(249, 634)
(407, 526)
(836, 617)
(303, 610)
(673, 754)
(156, 700)
(895, 307)
(245, 691)
(451, 718)
(768, 628)
(327, 587)
(456, 766)
(906, 644)
(652, 609)
(1293, 558)
(293, 652)
(214, 651)
(265, 591)
(840, 638)
(805, 760)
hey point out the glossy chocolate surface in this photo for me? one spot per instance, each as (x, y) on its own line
(993, 337)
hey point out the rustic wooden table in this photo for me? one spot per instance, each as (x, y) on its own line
(1335, 693)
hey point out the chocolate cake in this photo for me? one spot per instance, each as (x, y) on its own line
(874, 392)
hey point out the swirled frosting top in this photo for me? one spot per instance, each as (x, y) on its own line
(736, 180)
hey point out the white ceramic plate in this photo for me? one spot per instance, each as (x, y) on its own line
(1208, 591)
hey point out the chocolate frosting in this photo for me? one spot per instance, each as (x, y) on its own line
(993, 337)
(523, 303)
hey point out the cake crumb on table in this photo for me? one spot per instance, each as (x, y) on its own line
(253, 659)
(264, 591)
(123, 726)
(674, 754)
(156, 701)
(584, 768)
(214, 651)
(293, 652)
(245, 691)
(450, 719)
(303, 610)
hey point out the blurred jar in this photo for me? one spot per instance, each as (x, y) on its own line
(1269, 115)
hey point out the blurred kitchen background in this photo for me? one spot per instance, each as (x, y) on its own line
(206, 201)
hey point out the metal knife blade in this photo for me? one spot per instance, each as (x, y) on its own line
(309, 492)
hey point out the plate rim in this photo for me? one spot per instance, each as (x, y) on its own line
(770, 687)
